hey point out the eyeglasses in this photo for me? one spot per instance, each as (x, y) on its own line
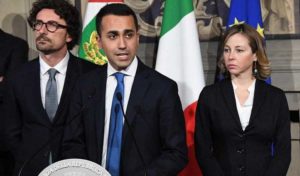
(51, 26)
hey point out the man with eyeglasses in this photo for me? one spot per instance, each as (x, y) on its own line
(39, 93)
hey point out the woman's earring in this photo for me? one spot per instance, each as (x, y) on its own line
(255, 68)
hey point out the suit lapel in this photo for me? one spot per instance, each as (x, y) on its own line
(140, 87)
(259, 97)
(34, 89)
(229, 98)
(71, 77)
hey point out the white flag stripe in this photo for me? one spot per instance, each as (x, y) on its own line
(179, 58)
(91, 11)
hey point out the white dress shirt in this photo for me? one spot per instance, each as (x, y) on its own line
(60, 76)
(244, 110)
(111, 85)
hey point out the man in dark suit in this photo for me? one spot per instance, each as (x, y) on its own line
(150, 138)
(39, 93)
(14, 53)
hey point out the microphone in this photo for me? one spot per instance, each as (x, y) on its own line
(119, 97)
(56, 133)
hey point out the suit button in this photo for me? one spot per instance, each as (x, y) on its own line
(240, 151)
(242, 135)
(242, 168)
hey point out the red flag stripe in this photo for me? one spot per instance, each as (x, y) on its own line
(192, 168)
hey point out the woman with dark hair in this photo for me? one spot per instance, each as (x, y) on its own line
(242, 123)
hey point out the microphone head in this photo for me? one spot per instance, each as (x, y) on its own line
(119, 96)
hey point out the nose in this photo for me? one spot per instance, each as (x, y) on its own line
(231, 55)
(43, 29)
(122, 43)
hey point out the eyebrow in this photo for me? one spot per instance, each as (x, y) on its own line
(117, 32)
(235, 46)
(129, 30)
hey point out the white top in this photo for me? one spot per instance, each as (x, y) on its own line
(111, 85)
(60, 76)
(244, 111)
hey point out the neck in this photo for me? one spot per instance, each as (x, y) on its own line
(245, 81)
(53, 58)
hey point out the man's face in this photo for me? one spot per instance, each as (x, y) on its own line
(51, 42)
(119, 40)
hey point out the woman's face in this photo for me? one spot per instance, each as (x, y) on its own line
(238, 56)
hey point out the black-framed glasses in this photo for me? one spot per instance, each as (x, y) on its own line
(51, 26)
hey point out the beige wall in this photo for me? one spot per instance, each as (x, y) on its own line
(13, 17)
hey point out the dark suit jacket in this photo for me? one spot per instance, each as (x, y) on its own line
(27, 124)
(154, 113)
(223, 148)
(13, 53)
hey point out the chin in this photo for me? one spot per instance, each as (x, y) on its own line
(46, 52)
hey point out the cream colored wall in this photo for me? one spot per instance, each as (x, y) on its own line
(13, 17)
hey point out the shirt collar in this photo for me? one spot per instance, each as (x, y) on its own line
(250, 88)
(61, 67)
(129, 71)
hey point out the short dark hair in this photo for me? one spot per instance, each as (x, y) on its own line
(65, 10)
(118, 9)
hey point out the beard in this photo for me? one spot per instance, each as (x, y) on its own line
(45, 49)
(44, 45)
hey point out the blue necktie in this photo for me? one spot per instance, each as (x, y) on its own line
(115, 130)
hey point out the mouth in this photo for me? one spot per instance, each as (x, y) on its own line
(231, 66)
(122, 55)
(42, 39)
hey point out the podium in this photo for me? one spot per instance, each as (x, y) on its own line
(74, 167)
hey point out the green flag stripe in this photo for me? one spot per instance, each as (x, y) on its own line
(91, 26)
(174, 11)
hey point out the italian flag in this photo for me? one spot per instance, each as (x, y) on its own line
(179, 58)
(88, 48)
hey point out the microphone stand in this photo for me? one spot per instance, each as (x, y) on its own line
(119, 97)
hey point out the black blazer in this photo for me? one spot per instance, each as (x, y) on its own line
(13, 53)
(27, 124)
(155, 115)
(223, 148)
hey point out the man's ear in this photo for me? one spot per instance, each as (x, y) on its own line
(69, 38)
(98, 37)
